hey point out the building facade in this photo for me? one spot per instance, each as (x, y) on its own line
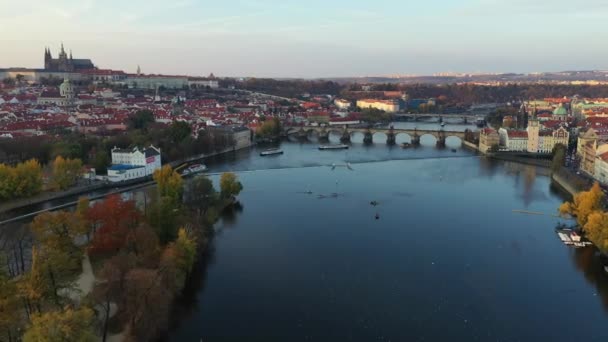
(240, 135)
(488, 138)
(389, 106)
(342, 104)
(128, 164)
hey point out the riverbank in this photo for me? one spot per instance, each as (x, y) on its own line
(570, 182)
(523, 159)
(98, 186)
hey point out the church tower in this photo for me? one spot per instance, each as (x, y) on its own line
(47, 58)
(533, 133)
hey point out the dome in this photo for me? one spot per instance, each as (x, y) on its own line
(560, 111)
(66, 89)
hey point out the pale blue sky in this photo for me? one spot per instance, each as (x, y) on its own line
(287, 38)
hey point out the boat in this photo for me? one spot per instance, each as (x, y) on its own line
(454, 150)
(194, 169)
(406, 145)
(271, 152)
(333, 147)
(443, 124)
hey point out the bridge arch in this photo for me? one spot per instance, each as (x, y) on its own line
(403, 137)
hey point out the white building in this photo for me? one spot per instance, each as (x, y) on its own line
(342, 104)
(203, 82)
(533, 140)
(133, 163)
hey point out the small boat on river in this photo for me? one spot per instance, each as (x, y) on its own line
(271, 152)
(194, 169)
(406, 145)
(333, 147)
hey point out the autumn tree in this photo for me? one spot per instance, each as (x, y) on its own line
(113, 220)
(22, 180)
(163, 216)
(147, 304)
(111, 285)
(230, 185)
(65, 172)
(10, 315)
(559, 157)
(58, 231)
(185, 251)
(584, 204)
(66, 325)
(34, 287)
(169, 183)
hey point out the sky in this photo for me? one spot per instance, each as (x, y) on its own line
(310, 38)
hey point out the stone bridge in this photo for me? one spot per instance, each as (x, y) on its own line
(368, 133)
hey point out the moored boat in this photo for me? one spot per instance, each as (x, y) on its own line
(333, 147)
(271, 152)
(194, 169)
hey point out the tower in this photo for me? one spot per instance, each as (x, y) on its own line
(47, 58)
(138, 70)
(533, 133)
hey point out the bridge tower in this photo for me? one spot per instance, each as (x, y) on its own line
(369, 137)
(390, 136)
(345, 138)
(441, 139)
(415, 138)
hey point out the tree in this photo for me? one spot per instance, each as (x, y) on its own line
(584, 204)
(141, 119)
(114, 221)
(147, 304)
(9, 82)
(229, 185)
(65, 325)
(34, 287)
(59, 230)
(10, 318)
(185, 247)
(65, 172)
(23, 180)
(559, 157)
(163, 217)
(199, 193)
(179, 130)
(169, 183)
(111, 284)
(270, 128)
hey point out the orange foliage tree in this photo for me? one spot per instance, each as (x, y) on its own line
(113, 221)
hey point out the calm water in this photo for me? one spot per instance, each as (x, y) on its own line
(447, 260)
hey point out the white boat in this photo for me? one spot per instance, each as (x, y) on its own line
(271, 152)
(193, 169)
(333, 147)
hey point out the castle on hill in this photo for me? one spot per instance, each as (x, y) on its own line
(65, 63)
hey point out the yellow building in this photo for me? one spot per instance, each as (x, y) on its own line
(389, 106)
(488, 138)
(585, 138)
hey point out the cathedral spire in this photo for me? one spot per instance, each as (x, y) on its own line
(70, 53)
(62, 50)
(138, 70)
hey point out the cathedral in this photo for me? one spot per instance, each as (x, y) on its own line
(65, 63)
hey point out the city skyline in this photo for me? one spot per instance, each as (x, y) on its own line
(283, 39)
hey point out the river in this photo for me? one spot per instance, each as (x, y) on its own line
(448, 259)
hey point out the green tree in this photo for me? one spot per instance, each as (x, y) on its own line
(65, 325)
(65, 172)
(141, 119)
(199, 193)
(230, 185)
(179, 130)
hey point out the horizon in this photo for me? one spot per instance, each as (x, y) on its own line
(273, 39)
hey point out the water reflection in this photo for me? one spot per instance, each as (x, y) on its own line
(589, 262)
